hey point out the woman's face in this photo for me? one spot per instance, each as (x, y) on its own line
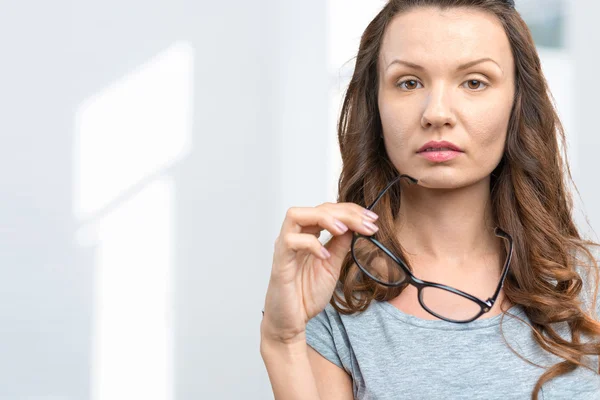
(436, 99)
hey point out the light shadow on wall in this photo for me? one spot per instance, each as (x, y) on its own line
(127, 137)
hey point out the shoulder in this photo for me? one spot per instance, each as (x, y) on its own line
(332, 321)
(333, 334)
(329, 320)
(326, 334)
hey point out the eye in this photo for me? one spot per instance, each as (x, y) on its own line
(475, 84)
(411, 83)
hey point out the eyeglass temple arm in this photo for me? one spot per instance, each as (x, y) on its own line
(500, 233)
(396, 179)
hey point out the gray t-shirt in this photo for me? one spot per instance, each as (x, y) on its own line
(394, 355)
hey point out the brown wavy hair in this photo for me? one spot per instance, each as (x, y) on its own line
(528, 189)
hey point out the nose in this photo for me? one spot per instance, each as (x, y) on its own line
(438, 109)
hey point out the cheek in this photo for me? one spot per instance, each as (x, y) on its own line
(397, 126)
(489, 132)
(489, 122)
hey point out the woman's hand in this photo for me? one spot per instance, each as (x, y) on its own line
(304, 272)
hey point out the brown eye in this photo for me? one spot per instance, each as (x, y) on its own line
(476, 84)
(409, 84)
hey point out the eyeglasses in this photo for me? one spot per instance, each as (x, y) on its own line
(445, 302)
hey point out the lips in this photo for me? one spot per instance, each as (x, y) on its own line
(443, 145)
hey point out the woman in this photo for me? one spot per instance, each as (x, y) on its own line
(455, 269)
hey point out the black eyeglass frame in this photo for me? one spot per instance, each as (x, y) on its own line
(485, 305)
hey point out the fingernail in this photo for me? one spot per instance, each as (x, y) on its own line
(340, 225)
(371, 226)
(325, 252)
(371, 214)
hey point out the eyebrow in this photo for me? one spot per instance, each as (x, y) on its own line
(460, 67)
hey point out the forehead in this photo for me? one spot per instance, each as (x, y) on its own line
(430, 35)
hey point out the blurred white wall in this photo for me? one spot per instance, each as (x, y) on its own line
(148, 152)
(583, 41)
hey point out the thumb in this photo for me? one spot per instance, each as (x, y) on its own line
(338, 247)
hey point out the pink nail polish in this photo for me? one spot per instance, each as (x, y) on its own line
(371, 214)
(371, 226)
(341, 226)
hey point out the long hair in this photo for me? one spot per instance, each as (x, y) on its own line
(528, 189)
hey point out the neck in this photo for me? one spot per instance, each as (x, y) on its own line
(453, 227)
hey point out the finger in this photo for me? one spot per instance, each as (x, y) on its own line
(338, 247)
(313, 230)
(301, 241)
(337, 218)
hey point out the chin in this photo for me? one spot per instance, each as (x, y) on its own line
(453, 183)
(433, 184)
(446, 178)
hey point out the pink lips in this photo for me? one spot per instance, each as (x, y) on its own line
(439, 156)
(436, 145)
(450, 151)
